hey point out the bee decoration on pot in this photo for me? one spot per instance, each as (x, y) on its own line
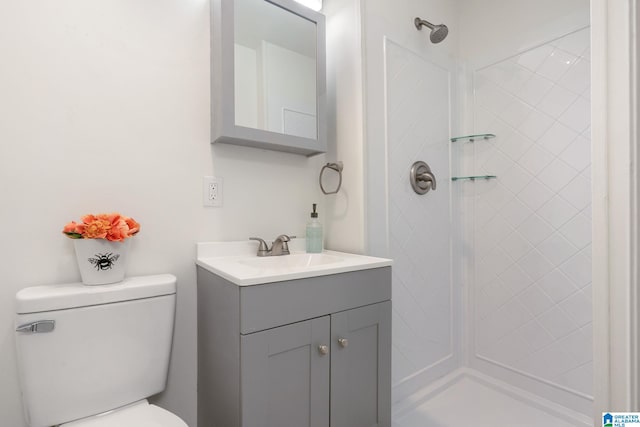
(104, 261)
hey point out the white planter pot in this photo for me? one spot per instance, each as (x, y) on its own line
(101, 261)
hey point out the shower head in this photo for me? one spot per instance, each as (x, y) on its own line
(438, 32)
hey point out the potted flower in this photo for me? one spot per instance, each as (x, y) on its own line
(102, 243)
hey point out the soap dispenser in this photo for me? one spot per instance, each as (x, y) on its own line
(314, 233)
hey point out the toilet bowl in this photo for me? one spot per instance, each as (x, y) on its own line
(139, 414)
(107, 349)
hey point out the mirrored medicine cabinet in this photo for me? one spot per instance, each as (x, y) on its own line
(268, 79)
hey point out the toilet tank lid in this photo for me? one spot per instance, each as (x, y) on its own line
(59, 297)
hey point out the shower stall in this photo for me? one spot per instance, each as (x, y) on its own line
(492, 268)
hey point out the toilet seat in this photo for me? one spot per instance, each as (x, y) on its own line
(139, 414)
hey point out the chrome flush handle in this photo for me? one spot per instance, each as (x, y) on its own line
(37, 327)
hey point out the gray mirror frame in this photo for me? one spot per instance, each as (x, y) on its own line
(223, 124)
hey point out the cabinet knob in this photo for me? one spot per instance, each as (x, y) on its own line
(323, 349)
(343, 342)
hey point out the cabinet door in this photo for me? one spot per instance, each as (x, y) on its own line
(285, 376)
(361, 367)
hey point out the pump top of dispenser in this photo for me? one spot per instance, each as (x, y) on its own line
(314, 214)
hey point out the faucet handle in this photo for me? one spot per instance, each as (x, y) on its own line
(263, 248)
(284, 247)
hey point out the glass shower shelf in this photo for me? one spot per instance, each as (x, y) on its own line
(471, 138)
(472, 178)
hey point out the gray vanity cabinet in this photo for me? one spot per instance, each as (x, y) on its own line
(284, 375)
(360, 382)
(309, 352)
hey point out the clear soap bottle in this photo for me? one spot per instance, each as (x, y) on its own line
(314, 233)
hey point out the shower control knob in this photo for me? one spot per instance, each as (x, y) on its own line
(343, 342)
(323, 349)
(421, 178)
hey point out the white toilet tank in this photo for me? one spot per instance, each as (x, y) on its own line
(84, 350)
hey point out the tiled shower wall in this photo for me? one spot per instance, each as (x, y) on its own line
(419, 225)
(531, 296)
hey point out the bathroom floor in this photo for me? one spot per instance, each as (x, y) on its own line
(470, 403)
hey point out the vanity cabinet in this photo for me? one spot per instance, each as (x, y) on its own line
(309, 352)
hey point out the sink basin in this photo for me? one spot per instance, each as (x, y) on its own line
(238, 263)
(295, 260)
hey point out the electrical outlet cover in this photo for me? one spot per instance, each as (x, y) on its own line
(212, 191)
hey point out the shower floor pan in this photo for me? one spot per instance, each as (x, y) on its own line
(467, 398)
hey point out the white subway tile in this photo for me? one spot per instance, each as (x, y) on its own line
(535, 300)
(578, 78)
(557, 285)
(557, 249)
(535, 125)
(533, 58)
(557, 211)
(535, 159)
(557, 323)
(557, 138)
(578, 231)
(578, 115)
(535, 194)
(557, 100)
(578, 153)
(557, 175)
(556, 64)
(535, 264)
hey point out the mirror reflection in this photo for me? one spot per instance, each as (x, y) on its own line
(275, 69)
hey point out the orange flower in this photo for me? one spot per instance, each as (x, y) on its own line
(134, 227)
(119, 230)
(113, 227)
(73, 230)
(96, 229)
(70, 228)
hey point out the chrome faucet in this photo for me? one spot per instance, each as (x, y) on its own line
(278, 247)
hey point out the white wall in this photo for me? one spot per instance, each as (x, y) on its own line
(105, 106)
(493, 30)
(344, 226)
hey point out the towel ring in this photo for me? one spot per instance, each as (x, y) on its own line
(336, 167)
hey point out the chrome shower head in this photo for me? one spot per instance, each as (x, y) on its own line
(438, 32)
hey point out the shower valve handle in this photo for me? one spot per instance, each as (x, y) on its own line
(421, 178)
(428, 177)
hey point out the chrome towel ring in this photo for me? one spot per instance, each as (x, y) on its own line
(336, 167)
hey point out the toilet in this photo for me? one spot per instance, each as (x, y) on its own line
(90, 356)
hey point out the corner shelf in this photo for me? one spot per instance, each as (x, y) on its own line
(472, 138)
(472, 178)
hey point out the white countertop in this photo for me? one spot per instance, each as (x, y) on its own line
(238, 262)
